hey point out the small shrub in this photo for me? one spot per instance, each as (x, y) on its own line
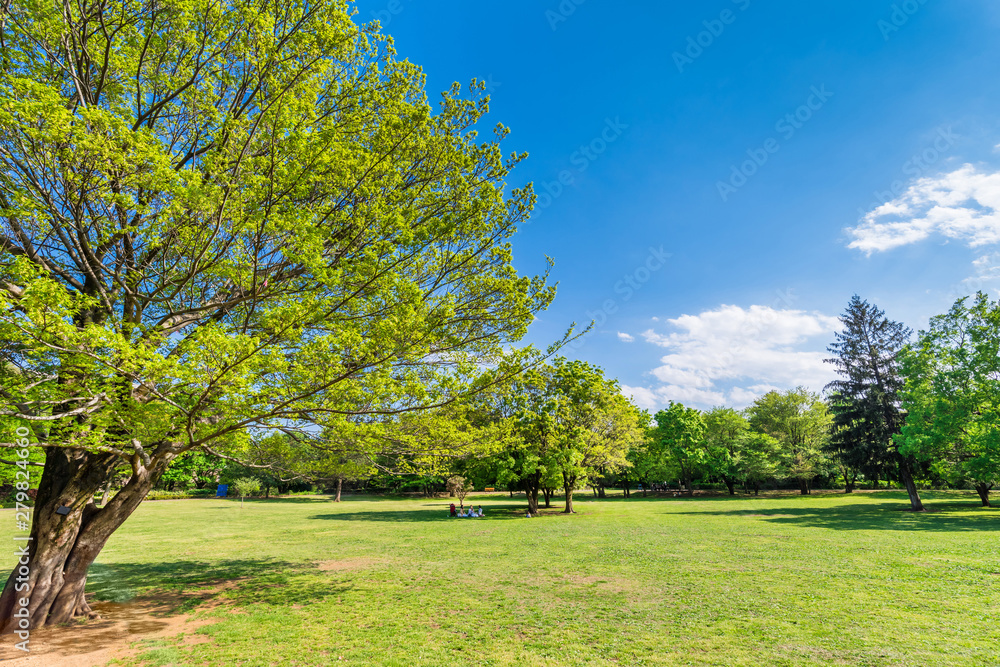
(159, 494)
(245, 486)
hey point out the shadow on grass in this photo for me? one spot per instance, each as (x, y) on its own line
(940, 517)
(184, 585)
(436, 513)
(273, 501)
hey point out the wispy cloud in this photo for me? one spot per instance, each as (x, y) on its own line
(626, 338)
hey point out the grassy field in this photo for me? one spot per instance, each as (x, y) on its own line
(788, 580)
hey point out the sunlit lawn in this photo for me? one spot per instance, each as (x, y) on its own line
(827, 579)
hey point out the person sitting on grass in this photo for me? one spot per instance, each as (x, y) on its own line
(471, 514)
(481, 511)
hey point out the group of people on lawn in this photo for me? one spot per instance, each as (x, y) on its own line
(471, 513)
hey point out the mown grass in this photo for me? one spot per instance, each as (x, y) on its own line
(789, 580)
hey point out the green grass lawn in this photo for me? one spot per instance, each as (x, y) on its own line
(788, 580)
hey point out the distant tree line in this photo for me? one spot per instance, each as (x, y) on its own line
(906, 411)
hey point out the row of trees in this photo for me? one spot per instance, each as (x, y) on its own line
(903, 411)
(923, 408)
(780, 437)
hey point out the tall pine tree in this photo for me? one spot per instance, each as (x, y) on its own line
(865, 401)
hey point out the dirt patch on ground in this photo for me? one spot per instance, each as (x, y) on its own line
(609, 584)
(347, 564)
(95, 642)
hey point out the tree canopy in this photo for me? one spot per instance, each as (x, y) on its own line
(222, 220)
(952, 394)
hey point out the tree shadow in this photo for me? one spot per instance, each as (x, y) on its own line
(433, 513)
(181, 586)
(940, 517)
(272, 501)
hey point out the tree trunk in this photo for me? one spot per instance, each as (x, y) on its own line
(984, 493)
(601, 492)
(568, 484)
(340, 486)
(850, 480)
(756, 488)
(531, 485)
(63, 546)
(689, 485)
(547, 495)
(906, 475)
(731, 485)
(533, 501)
(803, 487)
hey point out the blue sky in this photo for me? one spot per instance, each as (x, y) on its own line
(785, 155)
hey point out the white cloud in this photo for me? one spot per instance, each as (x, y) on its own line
(732, 355)
(626, 338)
(746, 396)
(641, 396)
(987, 275)
(963, 205)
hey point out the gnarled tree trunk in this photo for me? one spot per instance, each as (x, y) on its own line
(63, 546)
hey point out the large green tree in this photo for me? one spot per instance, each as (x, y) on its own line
(680, 438)
(865, 401)
(799, 420)
(759, 459)
(952, 394)
(725, 431)
(574, 423)
(598, 425)
(222, 219)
